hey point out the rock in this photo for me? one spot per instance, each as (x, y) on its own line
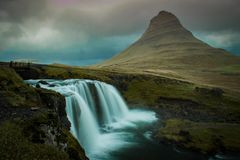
(35, 108)
(43, 82)
(38, 86)
(217, 91)
(213, 91)
(51, 85)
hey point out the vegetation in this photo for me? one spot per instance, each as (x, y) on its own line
(229, 70)
(194, 107)
(162, 93)
(74, 150)
(205, 137)
(33, 122)
(14, 145)
(41, 136)
(67, 72)
(14, 92)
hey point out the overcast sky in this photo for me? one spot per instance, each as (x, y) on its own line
(81, 32)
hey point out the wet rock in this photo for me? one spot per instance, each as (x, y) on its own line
(51, 85)
(38, 86)
(218, 92)
(43, 82)
(35, 108)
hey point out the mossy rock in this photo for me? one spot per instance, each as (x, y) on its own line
(14, 92)
(204, 137)
(14, 145)
(74, 150)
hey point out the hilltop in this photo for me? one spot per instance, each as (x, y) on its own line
(166, 48)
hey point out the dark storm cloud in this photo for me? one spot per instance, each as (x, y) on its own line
(210, 15)
(18, 10)
(82, 29)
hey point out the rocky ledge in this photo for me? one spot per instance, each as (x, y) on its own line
(33, 122)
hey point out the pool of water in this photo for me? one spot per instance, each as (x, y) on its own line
(132, 139)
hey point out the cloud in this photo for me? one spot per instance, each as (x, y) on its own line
(87, 29)
(224, 39)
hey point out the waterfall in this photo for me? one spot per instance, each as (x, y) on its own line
(83, 123)
(98, 115)
(85, 115)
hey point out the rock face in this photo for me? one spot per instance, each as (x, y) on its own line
(34, 121)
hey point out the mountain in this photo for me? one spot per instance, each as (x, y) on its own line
(167, 48)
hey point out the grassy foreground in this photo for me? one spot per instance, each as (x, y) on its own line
(33, 122)
(198, 117)
(187, 109)
(205, 137)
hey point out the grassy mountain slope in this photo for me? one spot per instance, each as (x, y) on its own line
(167, 48)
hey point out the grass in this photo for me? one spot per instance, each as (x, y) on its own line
(14, 145)
(204, 137)
(151, 90)
(41, 135)
(14, 92)
(229, 70)
(27, 139)
(67, 72)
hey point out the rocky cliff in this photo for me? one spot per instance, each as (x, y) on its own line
(33, 122)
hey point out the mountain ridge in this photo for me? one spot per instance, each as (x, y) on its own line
(168, 48)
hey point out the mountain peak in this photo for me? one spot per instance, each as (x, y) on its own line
(166, 14)
(163, 25)
(164, 19)
(166, 45)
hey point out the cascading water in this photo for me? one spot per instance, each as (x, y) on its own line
(106, 128)
(96, 111)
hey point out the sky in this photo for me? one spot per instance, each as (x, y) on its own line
(83, 32)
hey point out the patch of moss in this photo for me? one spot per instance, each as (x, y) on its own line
(151, 91)
(204, 137)
(14, 145)
(70, 72)
(41, 135)
(14, 92)
(74, 150)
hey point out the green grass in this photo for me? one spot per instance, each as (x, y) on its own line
(27, 139)
(70, 72)
(145, 89)
(140, 88)
(204, 137)
(14, 92)
(149, 90)
(229, 70)
(14, 145)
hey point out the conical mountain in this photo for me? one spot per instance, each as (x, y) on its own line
(167, 48)
(166, 43)
(165, 28)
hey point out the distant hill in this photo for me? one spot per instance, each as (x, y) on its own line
(167, 48)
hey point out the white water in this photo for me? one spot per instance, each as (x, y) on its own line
(98, 115)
